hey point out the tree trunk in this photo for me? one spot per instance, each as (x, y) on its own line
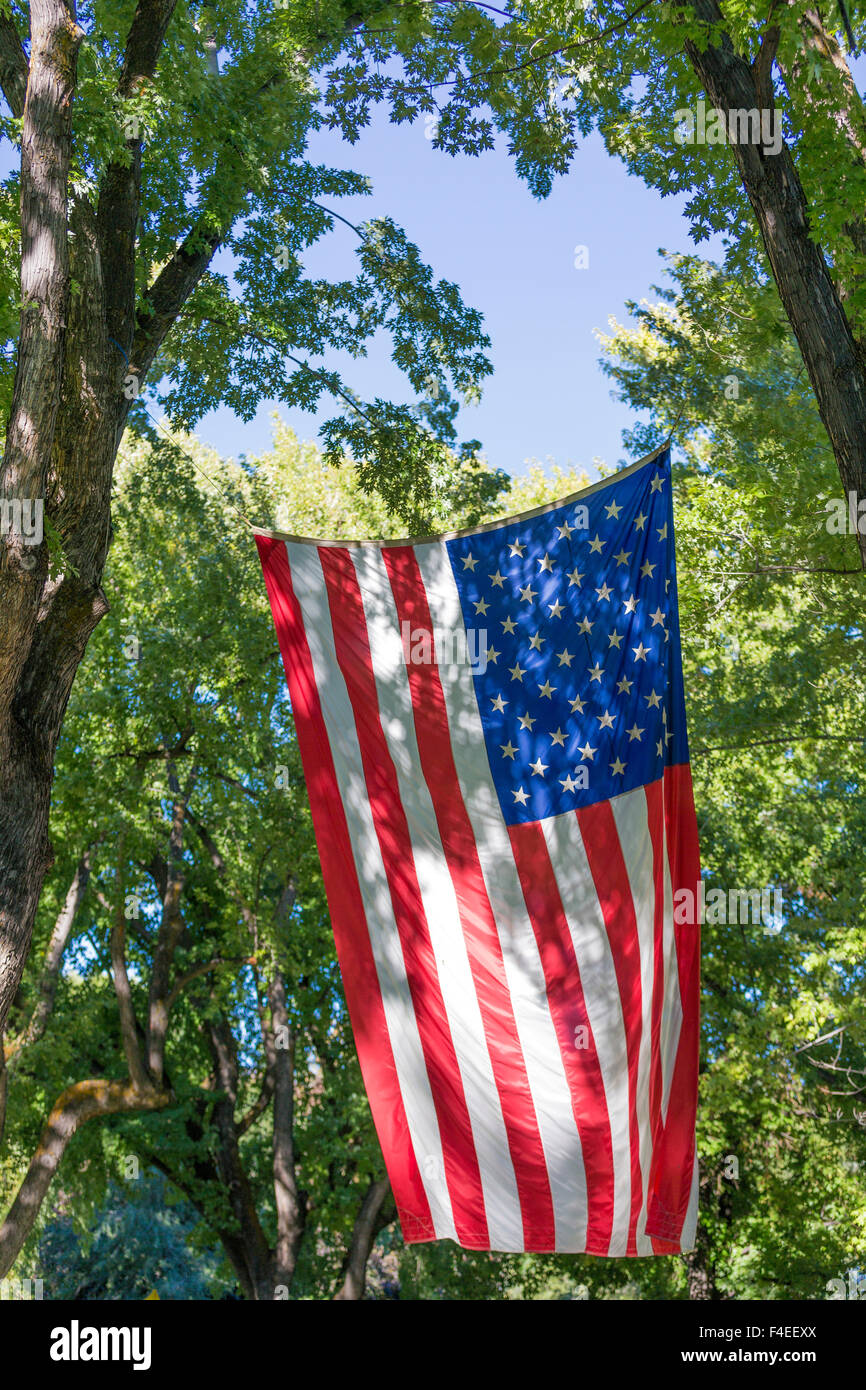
(290, 1208)
(375, 1213)
(258, 1281)
(833, 359)
(27, 747)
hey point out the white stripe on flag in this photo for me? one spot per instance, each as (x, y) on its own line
(441, 909)
(601, 993)
(310, 589)
(544, 1066)
(672, 1008)
(630, 813)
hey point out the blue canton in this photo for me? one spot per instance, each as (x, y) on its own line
(581, 697)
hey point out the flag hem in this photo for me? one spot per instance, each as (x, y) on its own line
(472, 530)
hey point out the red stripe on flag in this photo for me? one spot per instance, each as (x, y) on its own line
(353, 655)
(669, 1198)
(476, 914)
(568, 1011)
(360, 979)
(610, 876)
(655, 820)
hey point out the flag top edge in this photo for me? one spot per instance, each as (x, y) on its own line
(474, 530)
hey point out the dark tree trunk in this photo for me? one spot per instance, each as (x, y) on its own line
(377, 1211)
(833, 359)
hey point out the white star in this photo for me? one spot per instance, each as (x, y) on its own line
(574, 577)
(516, 548)
(564, 531)
(640, 652)
(646, 569)
(527, 594)
(624, 686)
(613, 510)
(658, 617)
(663, 532)
(615, 640)
(536, 640)
(659, 749)
(568, 783)
(577, 705)
(596, 672)
(508, 625)
(481, 607)
(546, 564)
(656, 485)
(498, 703)
(517, 672)
(558, 737)
(634, 732)
(492, 655)
(606, 719)
(497, 580)
(587, 754)
(604, 592)
(521, 796)
(640, 521)
(526, 722)
(629, 604)
(617, 767)
(653, 700)
(596, 545)
(623, 557)
(565, 658)
(538, 768)
(585, 625)
(508, 749)
(470, 562)
(546, 690)
(555, 609)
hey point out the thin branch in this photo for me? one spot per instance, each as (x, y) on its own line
(128, 1029)
(53, 960)
(825, 1038)
(789, 739)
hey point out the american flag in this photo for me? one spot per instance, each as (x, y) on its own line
(492, 729)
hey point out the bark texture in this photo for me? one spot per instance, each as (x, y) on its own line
(834, 360)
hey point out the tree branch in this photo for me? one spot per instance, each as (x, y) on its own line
(14, 69)
(144, 43)
(170, 928)
(53, 960)
(84, 1100)
(376, 1212)
(128, 1026)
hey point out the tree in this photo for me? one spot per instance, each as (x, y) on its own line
(771, 605)
(198, 1025)
(544, 74)
(153, 136)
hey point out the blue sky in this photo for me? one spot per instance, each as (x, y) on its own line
(513, 257)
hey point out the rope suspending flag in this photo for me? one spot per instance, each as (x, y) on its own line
(492, 729)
